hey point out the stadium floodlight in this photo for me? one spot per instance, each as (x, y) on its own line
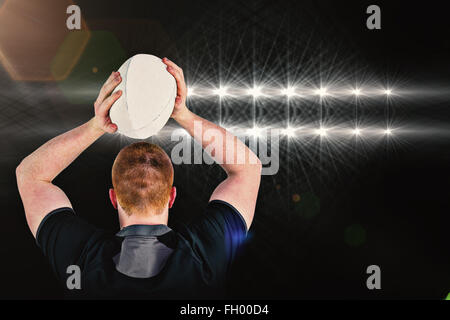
(255, 131)
(356, 131)
(255, 92)
(321, 131)
(221, 91)
(289, 131)
(289, 92)
(191, 91)
(322, 91)
(356, 91)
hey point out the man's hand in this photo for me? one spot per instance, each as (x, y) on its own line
(104, 102)
(180, 101)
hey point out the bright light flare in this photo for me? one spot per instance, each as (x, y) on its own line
(356, 91)
(388, 132)
(255, 92)
(289, 92)
(357, 131)
(321, 91)
(255, 131)
(191, 91)
(322, 131)
(221, 92)
(289, 132)
(292, 91)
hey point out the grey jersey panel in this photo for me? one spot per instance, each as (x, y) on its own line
(142, 255)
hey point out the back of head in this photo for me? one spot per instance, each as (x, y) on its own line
(142, 177)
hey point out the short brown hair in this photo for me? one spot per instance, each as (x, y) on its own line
(142, 177)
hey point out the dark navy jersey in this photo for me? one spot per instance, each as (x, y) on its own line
(144, 261)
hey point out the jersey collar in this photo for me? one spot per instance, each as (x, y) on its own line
(144, 230)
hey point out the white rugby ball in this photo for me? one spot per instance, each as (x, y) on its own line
(148, 97)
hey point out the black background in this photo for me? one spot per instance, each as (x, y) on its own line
(399, 196)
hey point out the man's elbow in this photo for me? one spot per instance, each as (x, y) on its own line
(22, 173)
(258, 166)
(254, 167)
(255, 162)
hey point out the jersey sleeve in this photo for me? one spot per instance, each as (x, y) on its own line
(216, 237)
(65, 240)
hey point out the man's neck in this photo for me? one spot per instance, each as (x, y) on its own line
(143, 219)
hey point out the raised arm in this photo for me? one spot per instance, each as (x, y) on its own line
(36, 172)
(242, 166)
